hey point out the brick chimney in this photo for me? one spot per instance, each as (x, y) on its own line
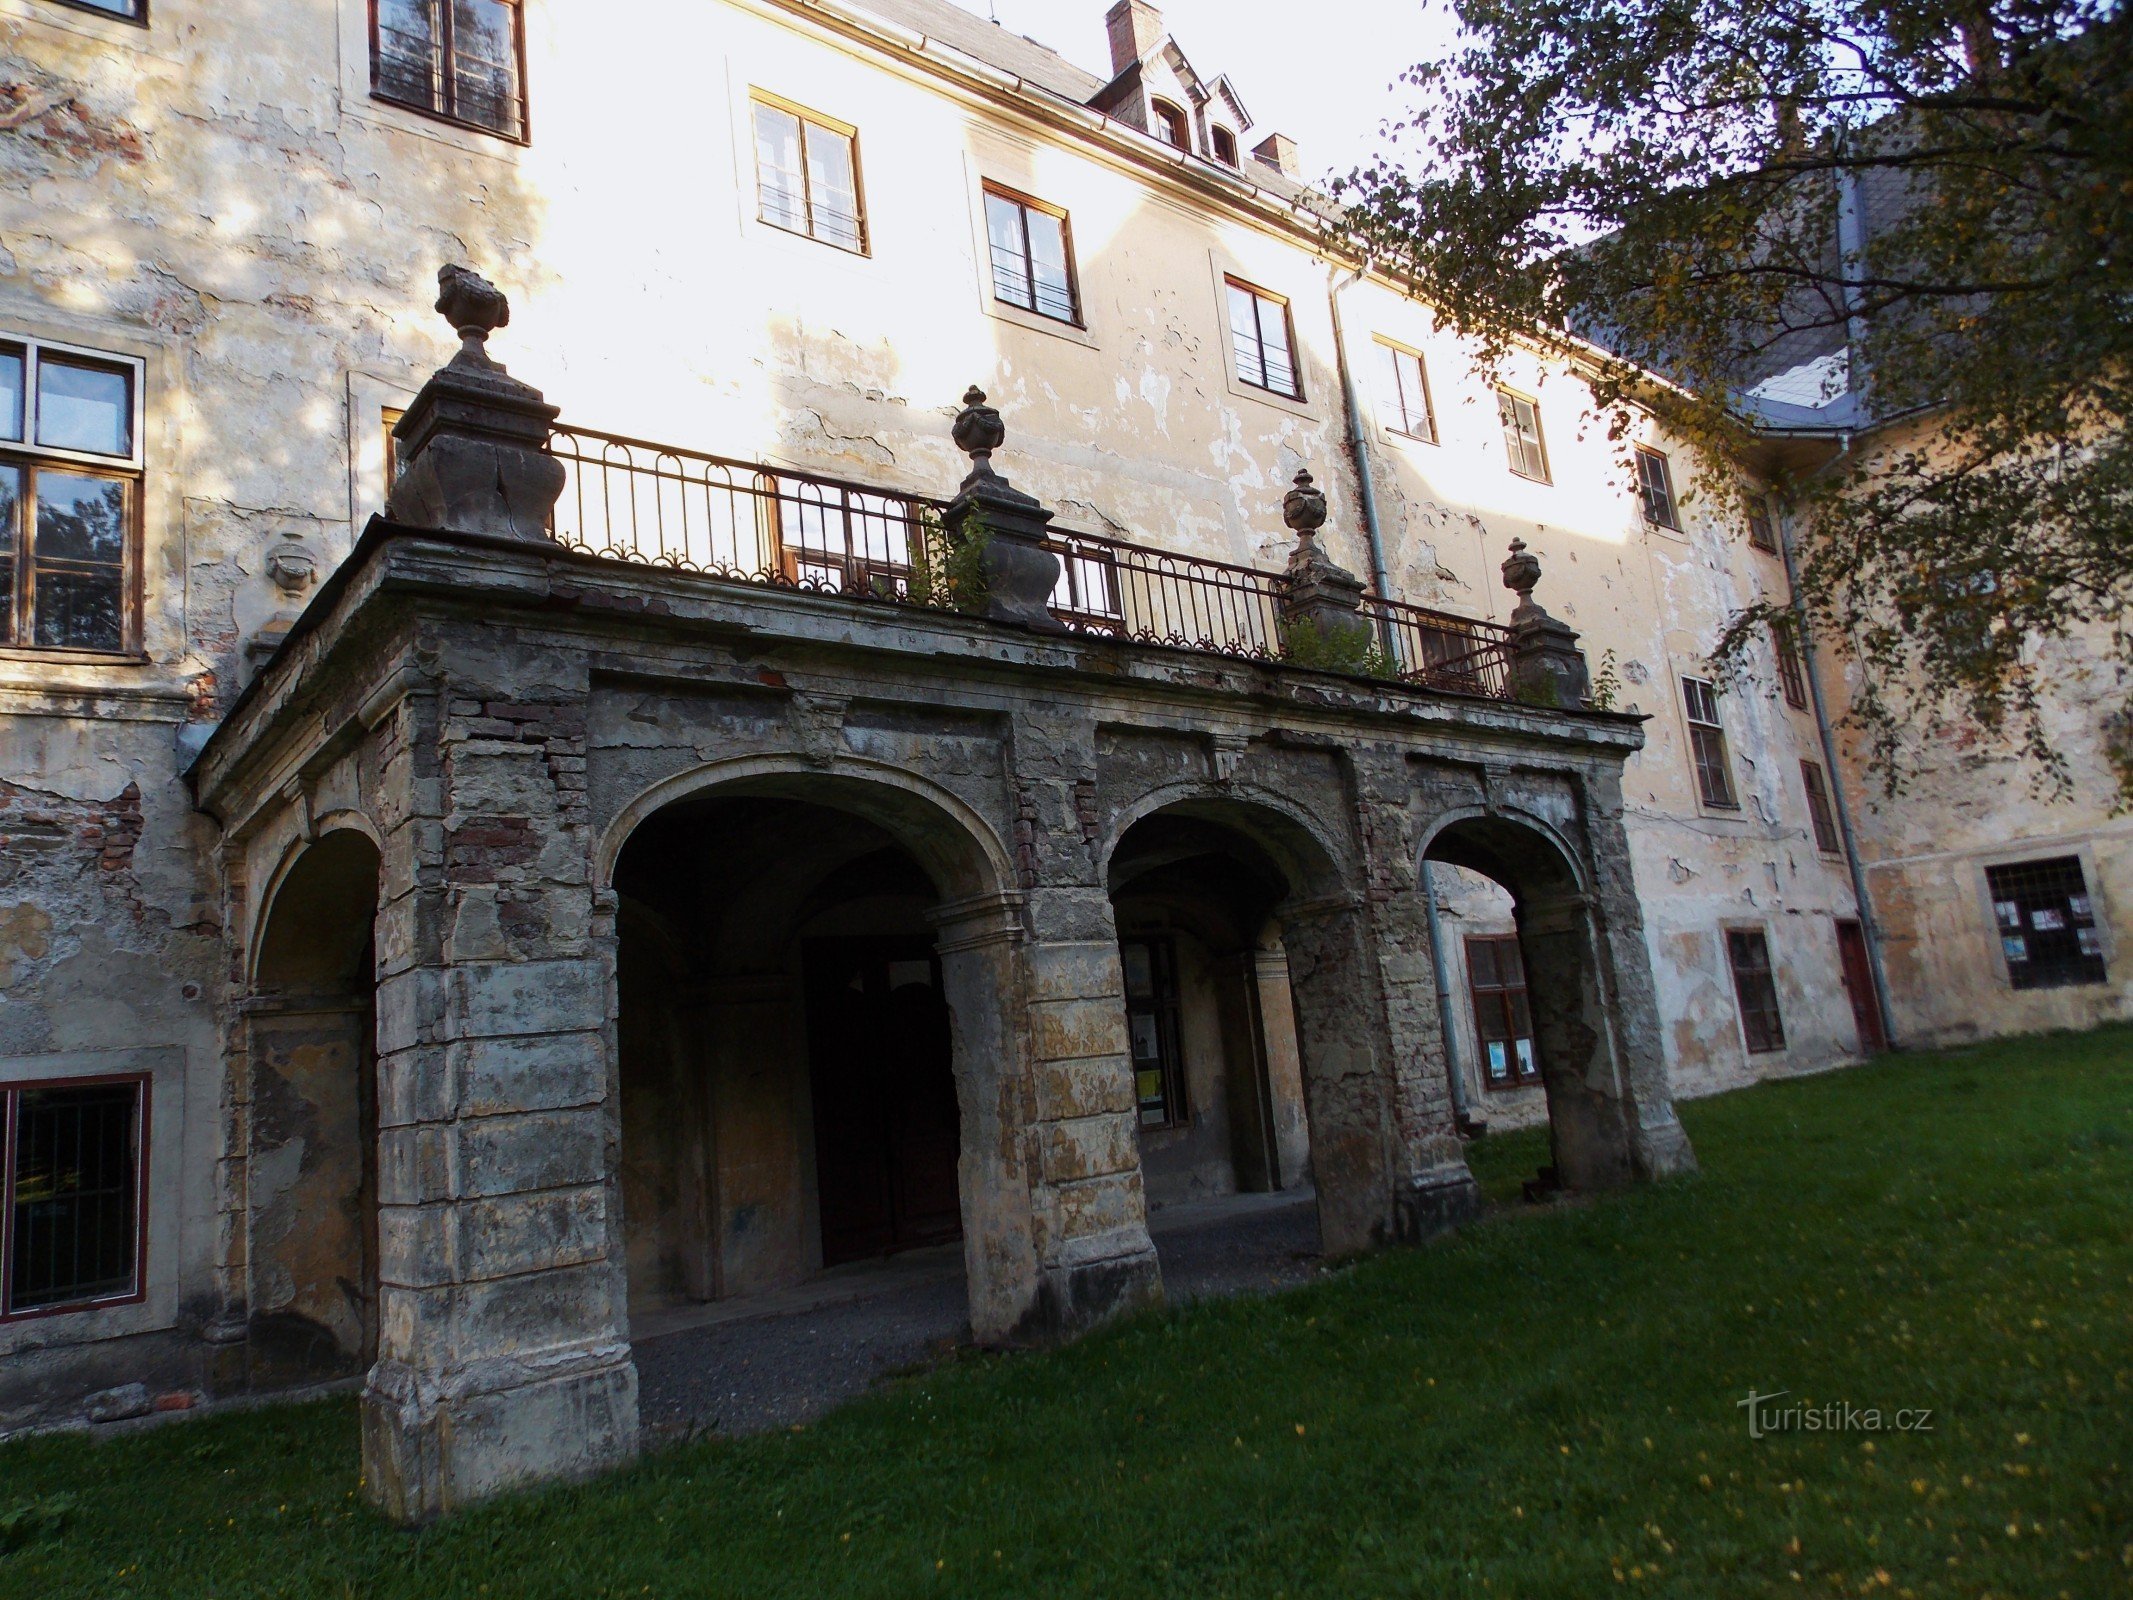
(1136, 29)
(1278, 151)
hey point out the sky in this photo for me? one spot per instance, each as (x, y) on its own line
(1320, 71)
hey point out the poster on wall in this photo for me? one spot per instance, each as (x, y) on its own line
(1526, 1069)
(2017, 949)
(2046, 920)
(2009, 913)
(1499, 1063)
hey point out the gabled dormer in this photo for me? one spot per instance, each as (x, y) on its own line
(1156, 89)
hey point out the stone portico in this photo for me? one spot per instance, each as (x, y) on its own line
(455, 749)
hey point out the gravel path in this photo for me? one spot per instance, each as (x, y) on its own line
(743, 1376)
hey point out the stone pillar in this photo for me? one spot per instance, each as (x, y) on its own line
(503, 1350)
(1321, 602)
(1020, 572)
(1547, 667)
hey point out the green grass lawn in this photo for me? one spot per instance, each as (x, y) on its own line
(1547, 1405)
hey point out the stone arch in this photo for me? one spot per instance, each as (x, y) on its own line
(1568, 960)
(916, 804)
(1266, 867)
(733, 1047)
(311, 1090)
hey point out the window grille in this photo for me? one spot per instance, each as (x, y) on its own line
(461, 60)
(71, 1180)
(2047, 923)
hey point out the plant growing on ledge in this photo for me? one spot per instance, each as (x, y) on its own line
(1606, 685)
(1349, 650)
(948, 571)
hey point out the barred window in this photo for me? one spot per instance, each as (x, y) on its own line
(1403, 393)
(1819, 811)
(1755, 986)
(1263, 339)
(1707, 745)
(72, 1177)
(1522, 435)
(1503, 1020)
(1032, 255)
(2047, 923)
(69, 496)
(1655, 486)
(461, 60)
(807, 175)
(1152, 1030)
(1792, 674)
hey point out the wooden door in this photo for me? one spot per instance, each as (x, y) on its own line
(887, 1131)
(1859, 987)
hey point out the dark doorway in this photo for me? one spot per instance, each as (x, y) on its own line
(887, 1131)
(1859, 987)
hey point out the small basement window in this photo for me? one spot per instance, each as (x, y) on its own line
(2047, 923)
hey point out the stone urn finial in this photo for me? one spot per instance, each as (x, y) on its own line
(1521, 571)
(474, 306)
(1303, 508)
(979, 431)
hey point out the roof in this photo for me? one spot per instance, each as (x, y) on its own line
(990, 43)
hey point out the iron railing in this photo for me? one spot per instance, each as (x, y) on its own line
(659, 505)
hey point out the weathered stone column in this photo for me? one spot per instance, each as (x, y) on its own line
(1020, 572)
(503, 1352)
(1547, 667)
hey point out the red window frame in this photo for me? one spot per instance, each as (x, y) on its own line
(10, 1094)
(1819, 810)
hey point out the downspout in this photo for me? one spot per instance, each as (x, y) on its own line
(1869, 924)
(1358, 447)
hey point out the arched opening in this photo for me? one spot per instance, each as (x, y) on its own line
(791, 1057)
(1237, 1075)
(1527, 1011)
(1170, 124)
(312, 1151)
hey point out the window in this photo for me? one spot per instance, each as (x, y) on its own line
(69, 496)
(128, 10)
(1755, 987)
(72, 1158)
(1792, 675)
(842, 541)
(1503, 1022)
(1032, 255)
(1760, 533)
(1818, 809)
(1088, 585)
(2047, 923)
(1260, 334)
(1152, 1030)
(1522, 435)
(1707, 745)
(462, 60)
(807, 175)
(1170, 124)
(1225, 144)
(1403, 393)
(1655, 486)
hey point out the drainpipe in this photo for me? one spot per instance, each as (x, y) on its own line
(1868, 923)
(1462, 1111)
(1358, 446)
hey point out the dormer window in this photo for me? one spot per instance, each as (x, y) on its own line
(1225, 144)
(1170, 124)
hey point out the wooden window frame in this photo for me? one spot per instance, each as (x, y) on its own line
(1170, 119)
(1027, 203)
(1520, 1078)
(1758, 1044)
(1261, 298)
(1821, 814)
(849, 132)
(1707, 734)
(1429, 401)
(106, 12)
(1791, 669)
(31, 457)
(1762, 527)
(1217, 136)
(1165, 1005)
(449, 87)
(1648, 460)
(9, 1113)
(1507, 402)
